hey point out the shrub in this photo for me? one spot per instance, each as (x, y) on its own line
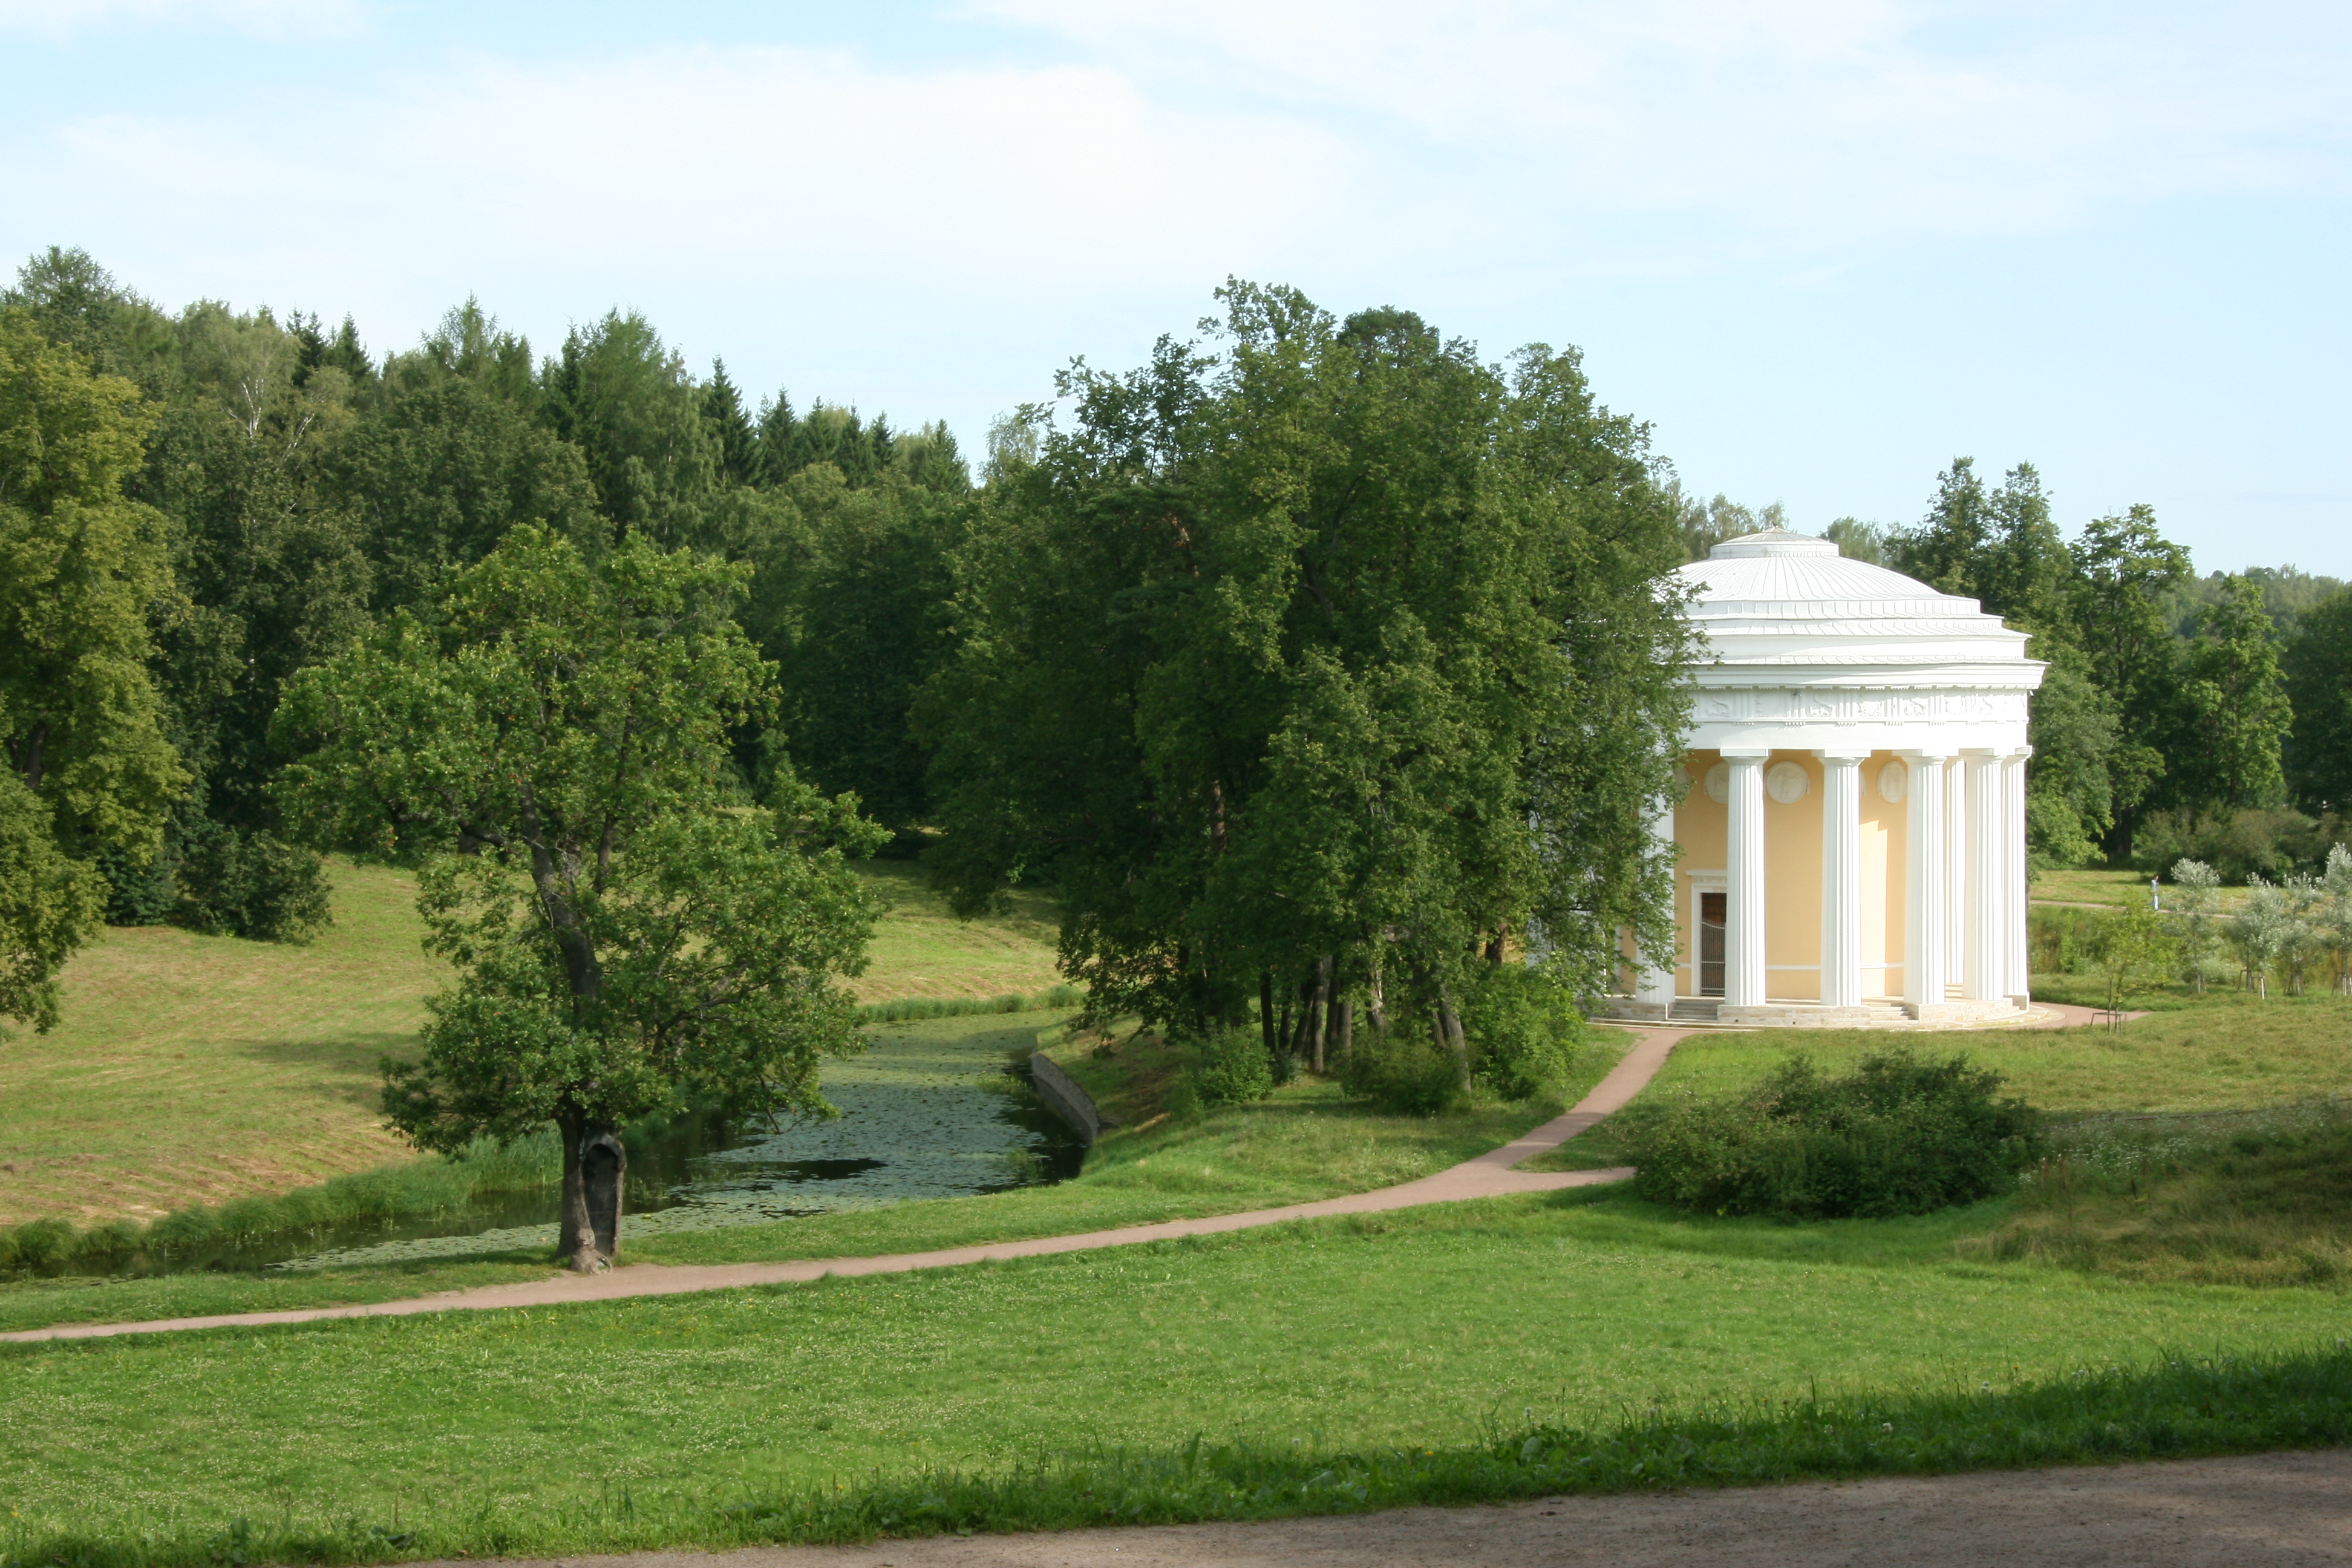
(1899, 1135)
(1403, 1074)
(184, 1230)
(114, 1239)
(2253, 842)
(251, 884)
(43, 1244)
(1523, 1031)
(1227, 1067)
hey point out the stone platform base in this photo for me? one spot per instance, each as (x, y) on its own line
(1705, 1010)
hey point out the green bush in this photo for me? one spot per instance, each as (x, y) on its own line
(965, 1006)
(2261, 841)
(251, 884)
(184, 1230)
(1227, 1067)
(43, 1244)
(1898, 1135)
(1523, 1031)
(1404, 1074)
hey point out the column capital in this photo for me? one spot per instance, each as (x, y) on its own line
(1843, 753)
(1924, 753)
(1746, 753)
(1984, 753)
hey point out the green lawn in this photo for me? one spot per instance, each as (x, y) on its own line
(1433, 1328)
(1423, 1328)
(197, 1068)
(194, 1069)
(1304, 1144)
(2231, 1051)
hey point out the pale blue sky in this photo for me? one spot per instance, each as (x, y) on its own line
(1822, 247)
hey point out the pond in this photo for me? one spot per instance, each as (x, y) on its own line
(935, 1108)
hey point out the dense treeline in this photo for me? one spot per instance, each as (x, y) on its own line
(299, 490)
(1267, 658)
(1273, 656)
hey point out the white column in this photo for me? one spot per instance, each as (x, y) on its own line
(2015, 962)
(1926, 907)
(1987, 945)
(1955, 871)
(1743, 904)
(1653, 979)
(1841, 880)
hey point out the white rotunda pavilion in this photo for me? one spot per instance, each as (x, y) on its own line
(1854, 838)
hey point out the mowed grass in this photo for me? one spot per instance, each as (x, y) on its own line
(194, 1069)
(2232, 1051)
(1421, 1328)
(1304, 1144)
(921, 948)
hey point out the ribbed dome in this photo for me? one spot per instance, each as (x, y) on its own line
(1783, 598)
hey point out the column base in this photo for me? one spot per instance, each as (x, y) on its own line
(1962, 1011)
(1808, 1015)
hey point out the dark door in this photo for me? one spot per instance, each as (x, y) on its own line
(1710, 943)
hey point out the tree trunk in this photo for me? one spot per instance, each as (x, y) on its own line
(1494, 946)
(1343, 1029)
(1450, 1034)
(1322, 1007)
(1376, 1001)
(588, 1235)
(1266, 1013)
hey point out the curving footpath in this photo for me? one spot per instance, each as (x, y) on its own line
(1488, 1175)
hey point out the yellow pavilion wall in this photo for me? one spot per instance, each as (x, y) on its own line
(1792, 879)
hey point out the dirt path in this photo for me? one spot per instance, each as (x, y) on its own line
(2273, 1508)
(1488, 1175)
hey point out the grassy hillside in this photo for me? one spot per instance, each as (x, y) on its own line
(195, 1069)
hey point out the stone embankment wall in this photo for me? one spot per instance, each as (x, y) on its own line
(1064, 1097)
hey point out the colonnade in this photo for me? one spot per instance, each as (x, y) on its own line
(1963, 882)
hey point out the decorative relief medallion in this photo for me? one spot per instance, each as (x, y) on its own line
(1718, 784)
(1893, 780)
(1786, 783)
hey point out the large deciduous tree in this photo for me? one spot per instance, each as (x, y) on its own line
(83, 574)
(1328, 659)
(551, 741)
(2317, 663)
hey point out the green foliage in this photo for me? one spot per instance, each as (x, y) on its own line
(2232, 712)
(852, 598)
(1403, 1073)
(1523, 1031)
(1272, 655)
(451, 456)
(252, 885)
(2252, 841)
(626, 401)
(2316, 663)
(1226, 1066)
(88, 768)
(1897, 1135)
(2131, 947)
(551, 743)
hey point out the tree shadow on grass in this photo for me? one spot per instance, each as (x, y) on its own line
(346, 1067)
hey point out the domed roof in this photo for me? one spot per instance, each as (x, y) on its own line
(1779, 599)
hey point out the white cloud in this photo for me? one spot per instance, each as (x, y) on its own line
(59, 20)
(1843, 120)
